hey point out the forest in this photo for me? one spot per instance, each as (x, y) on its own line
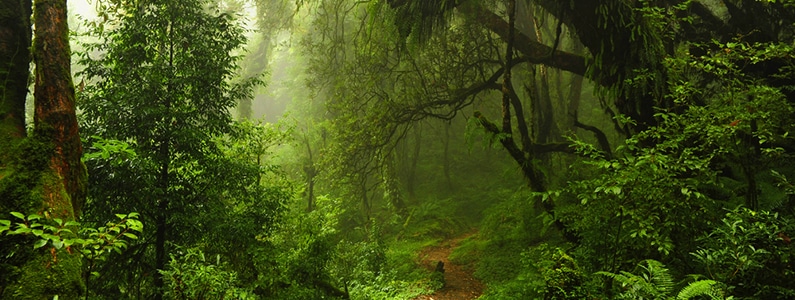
(397, 149)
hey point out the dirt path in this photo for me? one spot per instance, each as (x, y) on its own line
(459, 283)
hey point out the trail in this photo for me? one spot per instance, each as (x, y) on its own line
(459, 283)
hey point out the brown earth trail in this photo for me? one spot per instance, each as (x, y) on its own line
(459, 283)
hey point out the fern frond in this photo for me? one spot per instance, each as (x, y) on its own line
(659, 277)
(700, 288)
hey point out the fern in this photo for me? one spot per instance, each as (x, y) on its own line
(701, 288)
(655, 282)
(658, 276)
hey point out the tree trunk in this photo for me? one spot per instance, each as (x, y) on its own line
(55, 118)
(14, 70)
(49, 162)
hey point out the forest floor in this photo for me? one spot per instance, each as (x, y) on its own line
(459, 282)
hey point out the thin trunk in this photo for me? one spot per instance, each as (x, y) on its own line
(163, 182)
(161, 226)
(310, 171)
(411, 178)
(391, 186)
(365, 200)
(446, 157)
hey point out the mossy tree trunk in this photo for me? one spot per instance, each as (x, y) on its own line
(14, 70)
(55, 119)
(43, 173)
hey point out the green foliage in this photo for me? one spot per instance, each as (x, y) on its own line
(563, 278)
(191, 276)
(92, 243)
(161, 83)
(543, 272)
(510, 226)
(668, 182)
(22, 173)
(751, 252)
(644, 203)
(654, 281)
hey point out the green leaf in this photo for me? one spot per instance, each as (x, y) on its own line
(39, 244)
(616, 190)
(130, 235)
(21, 230)
(48, 236)
(18, 215)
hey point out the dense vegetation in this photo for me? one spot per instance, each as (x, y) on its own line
(321, 149)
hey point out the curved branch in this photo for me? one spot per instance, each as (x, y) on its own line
(601, 138)
(537, 53)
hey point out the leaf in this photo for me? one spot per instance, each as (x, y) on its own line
(18, 215)
(616, 190)
(698, 288)
(39, 244)
(130, 235)
(21, 230)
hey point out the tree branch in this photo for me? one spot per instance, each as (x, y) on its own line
(604, 144)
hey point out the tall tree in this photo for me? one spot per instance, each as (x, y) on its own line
(42, 174)
(163, 83)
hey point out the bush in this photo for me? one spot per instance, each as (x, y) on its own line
(751, 252)
(191, 276)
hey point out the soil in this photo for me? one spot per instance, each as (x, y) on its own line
(459, 283)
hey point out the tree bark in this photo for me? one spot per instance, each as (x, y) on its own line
(57, 178)
(14, 70)
(55, 118)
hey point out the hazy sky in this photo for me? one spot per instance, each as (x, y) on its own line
(81, 7)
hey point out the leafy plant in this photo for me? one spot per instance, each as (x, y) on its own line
(191, 276)
(93, 243)
(750, 251)
(654, 281)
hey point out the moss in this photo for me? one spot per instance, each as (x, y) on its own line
(30, 186)
(22, 175)
(46, 275)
